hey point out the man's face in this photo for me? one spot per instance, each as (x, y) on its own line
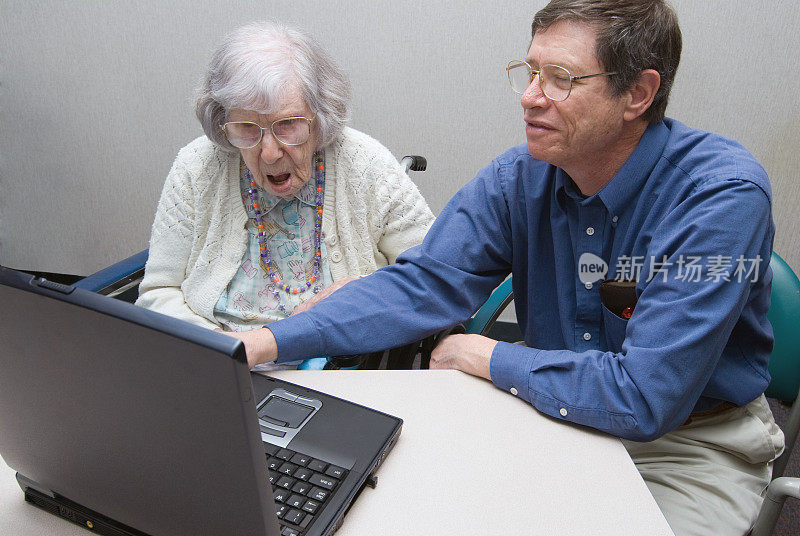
(574, 133)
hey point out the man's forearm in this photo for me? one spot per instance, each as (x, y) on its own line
(468, 353)
(259, 345)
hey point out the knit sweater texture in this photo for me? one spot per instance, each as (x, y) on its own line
(372, 212)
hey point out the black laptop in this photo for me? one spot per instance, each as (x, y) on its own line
(129, 422)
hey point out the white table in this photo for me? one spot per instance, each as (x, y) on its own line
(472, 460)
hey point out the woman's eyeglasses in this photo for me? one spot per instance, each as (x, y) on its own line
(288, 131)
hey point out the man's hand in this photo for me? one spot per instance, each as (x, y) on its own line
(467, 353)
(259, 344)
(324, 293)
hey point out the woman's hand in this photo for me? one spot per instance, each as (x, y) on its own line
(259, 345)
(324, 293)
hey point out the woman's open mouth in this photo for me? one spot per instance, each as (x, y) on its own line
(279, 179)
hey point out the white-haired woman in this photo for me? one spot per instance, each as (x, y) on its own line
(279, 201)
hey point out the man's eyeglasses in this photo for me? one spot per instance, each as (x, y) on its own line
(555, 81)
(288, 131)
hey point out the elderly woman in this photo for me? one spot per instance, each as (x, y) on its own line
(279, 201)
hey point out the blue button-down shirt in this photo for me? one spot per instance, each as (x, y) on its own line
(687, 216)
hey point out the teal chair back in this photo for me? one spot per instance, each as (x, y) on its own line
(784, 363)
(784, 367)
(784, 315)
(483, 320)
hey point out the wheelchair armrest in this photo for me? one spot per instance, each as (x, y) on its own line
(413, 162)
(315, 363)
(328, 363)
(118, 277)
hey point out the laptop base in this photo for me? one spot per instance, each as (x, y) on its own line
(79, 515)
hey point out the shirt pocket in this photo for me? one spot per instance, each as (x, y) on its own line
(614, 328)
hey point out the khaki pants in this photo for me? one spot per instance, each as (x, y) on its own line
(708, 476)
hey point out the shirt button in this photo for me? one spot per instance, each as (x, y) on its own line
(513, 391)
(590, 231)
(587, 336)
(336, 256)
(563, 412)
(614, 219)
(588, 286)
(333, 240)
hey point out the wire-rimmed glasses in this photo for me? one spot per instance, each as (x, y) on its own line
(555, 81)
(293, 130)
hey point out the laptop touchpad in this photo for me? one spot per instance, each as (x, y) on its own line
(282, 412)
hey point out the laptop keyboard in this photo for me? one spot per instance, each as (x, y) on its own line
(301, 485)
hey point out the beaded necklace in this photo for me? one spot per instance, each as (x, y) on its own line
(265, 261)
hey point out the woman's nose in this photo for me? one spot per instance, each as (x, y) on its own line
(271, 150)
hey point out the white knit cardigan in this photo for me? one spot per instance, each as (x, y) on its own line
(372, 212)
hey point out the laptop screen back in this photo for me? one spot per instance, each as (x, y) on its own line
(128, 412)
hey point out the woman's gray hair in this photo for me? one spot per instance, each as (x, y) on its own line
(258, 65)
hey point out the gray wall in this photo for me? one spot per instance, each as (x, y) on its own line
(96, 99)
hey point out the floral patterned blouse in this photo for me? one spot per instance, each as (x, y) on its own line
(252, 299)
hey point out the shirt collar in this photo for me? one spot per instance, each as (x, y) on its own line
(629, 180)
(566, 187)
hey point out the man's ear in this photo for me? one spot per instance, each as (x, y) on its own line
(641, 94)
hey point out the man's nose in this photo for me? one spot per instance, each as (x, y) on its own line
(271, 149)
(534, 95)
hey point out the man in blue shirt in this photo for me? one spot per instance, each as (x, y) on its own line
(608, 195)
